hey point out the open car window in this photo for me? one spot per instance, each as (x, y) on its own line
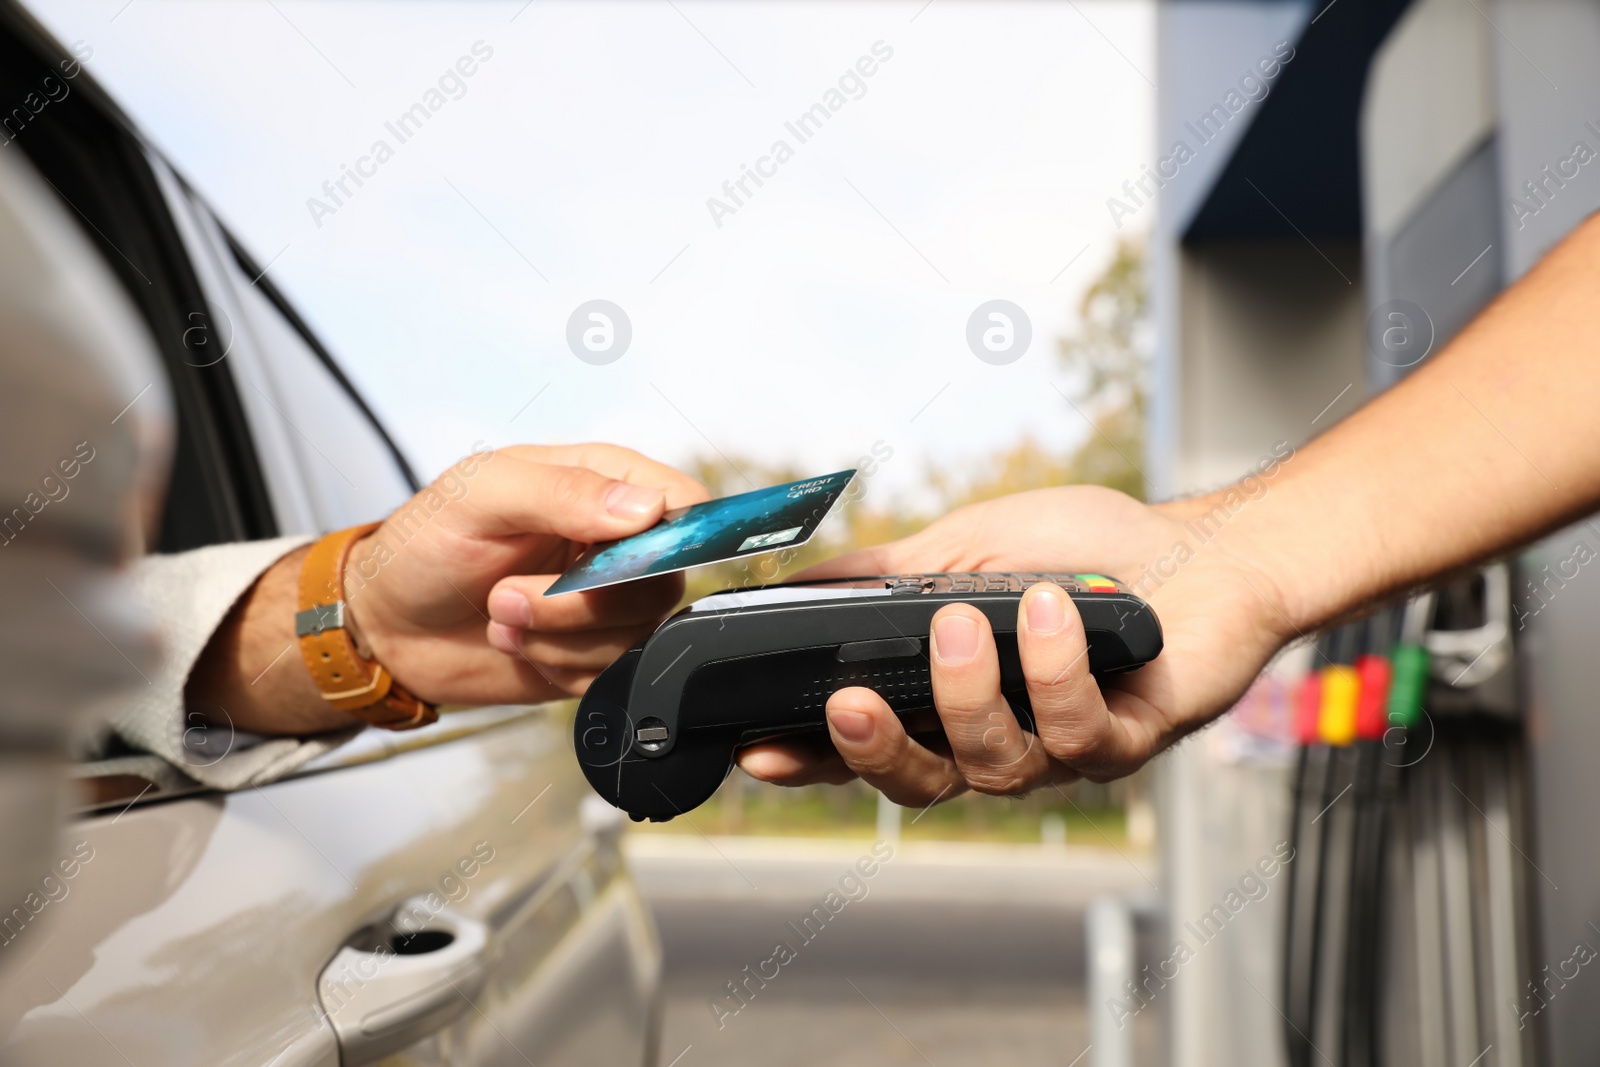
(194, 288)
(327, 461)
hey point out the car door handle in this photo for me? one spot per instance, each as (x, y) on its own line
(394, 983)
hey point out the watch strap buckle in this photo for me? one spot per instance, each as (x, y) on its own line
(314, 620)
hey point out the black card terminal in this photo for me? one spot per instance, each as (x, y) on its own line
(658, 730)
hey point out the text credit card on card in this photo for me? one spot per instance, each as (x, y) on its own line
(765, 520)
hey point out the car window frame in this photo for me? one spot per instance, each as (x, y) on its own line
(280, 303)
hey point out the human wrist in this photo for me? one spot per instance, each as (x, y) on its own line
(364, 614)
(1242, 536)
(335, 620)
(1314, 548)
(244, 672)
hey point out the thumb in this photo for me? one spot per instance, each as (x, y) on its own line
(519, 497)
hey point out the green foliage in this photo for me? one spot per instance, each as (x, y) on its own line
(1107, 361)
(1110, 358)
(1110, 348)
(1092, 817)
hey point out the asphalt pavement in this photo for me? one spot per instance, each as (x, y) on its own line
(790, 951)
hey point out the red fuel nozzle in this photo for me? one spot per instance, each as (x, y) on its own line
(1308, 708)
(1372, 705)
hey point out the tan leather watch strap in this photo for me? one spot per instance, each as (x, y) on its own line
(348, 680)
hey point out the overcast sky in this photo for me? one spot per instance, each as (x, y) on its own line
(827, 311)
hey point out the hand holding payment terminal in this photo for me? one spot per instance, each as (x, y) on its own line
(658, 730)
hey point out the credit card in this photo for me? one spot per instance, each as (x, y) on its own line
(766, 520)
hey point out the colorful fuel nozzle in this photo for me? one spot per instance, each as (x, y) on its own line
(1374, 673)
(1308, 708)
(1341, 687)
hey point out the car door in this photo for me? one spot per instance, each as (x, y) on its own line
(450, 895)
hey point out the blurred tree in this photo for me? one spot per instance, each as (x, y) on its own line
(1110, 358)
(1107, 360)
(1107, 365)
(1110, 348)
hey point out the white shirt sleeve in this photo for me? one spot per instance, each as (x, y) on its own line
(189, 594)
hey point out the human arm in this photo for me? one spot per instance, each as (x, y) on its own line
(486, 538)
(1488, 445)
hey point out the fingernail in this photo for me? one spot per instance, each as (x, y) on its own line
(510, 607)
(851, 725)
(632, 501)
(1046, 612)
(955, 639)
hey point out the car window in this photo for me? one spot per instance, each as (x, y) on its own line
(314, 348)
(348, 465)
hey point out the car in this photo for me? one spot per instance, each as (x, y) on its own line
(451, 895)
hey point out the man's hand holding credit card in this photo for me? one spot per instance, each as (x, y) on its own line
(765, 520)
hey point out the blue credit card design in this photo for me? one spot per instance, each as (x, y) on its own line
(749, 524)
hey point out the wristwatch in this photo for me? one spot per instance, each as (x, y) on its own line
(348, 680)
